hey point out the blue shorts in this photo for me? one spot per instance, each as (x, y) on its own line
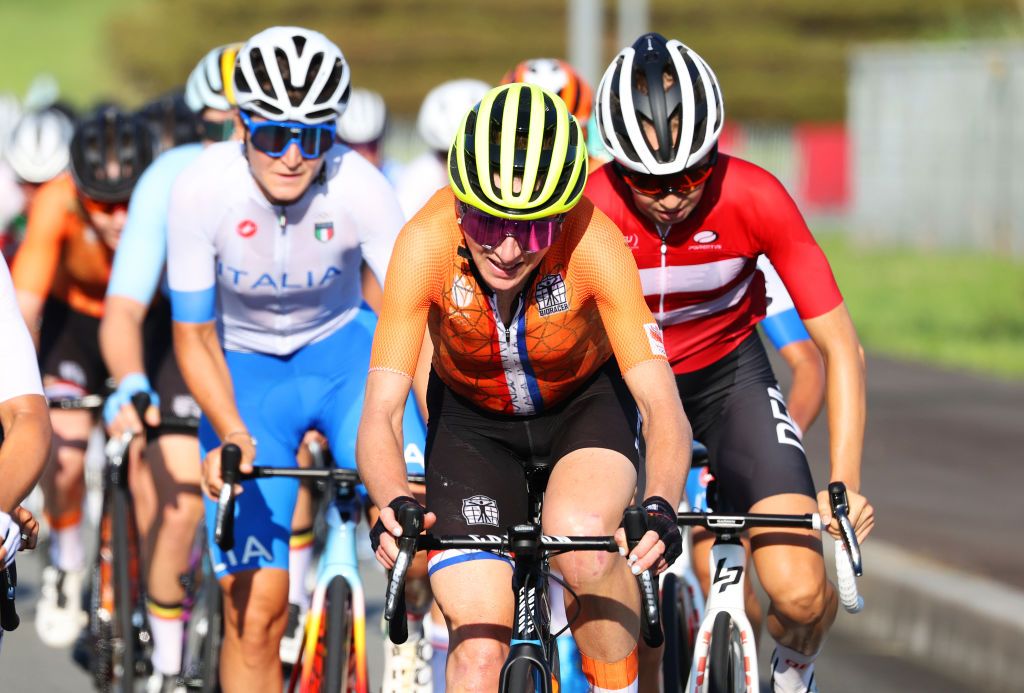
(320, 386)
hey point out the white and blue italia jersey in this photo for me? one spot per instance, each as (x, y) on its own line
(142, 250)
(276, 278)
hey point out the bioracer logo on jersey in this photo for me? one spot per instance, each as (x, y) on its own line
(551, 296)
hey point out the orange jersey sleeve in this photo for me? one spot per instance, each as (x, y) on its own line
(413, 282)
(38, 258)
(607, 271)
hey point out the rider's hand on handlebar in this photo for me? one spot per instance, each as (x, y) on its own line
(861, 514)
(118, 412)
(211, 481)
(387, 550)
(29, 527)
(10, 539)
(660, 545)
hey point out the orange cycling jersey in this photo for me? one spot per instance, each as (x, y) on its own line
(61, 255)
(582, 305)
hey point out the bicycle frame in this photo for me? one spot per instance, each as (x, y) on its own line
(727, 566)
(339, 558)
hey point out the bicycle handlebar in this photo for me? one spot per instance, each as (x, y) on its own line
(849, 564)
(634, 521)
(411, 519)
(9, 619)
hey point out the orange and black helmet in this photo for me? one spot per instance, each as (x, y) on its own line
(559, 77)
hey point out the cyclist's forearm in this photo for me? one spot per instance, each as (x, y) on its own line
(121, 336)
(379, 457)
(807, 393)
(26, 448)
(846, 415)
(206, 373)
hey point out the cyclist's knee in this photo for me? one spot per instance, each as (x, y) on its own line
(180, 517)
(802, 602)
(582, 568)
(257, 611)
(476, 661)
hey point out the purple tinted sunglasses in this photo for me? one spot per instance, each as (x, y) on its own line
(490, 231)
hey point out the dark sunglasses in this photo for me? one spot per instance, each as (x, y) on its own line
(273, 138)
(216, 131)
(96, 207)
(682, 183)
(489, 231)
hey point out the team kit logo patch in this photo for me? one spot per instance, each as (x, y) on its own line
(655, 339)
(246, 228)
(324, 231)
(480, 510)
(551, 296)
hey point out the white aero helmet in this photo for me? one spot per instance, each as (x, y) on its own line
(288, 73)
(210, 84)
(444, 108)
(365, 118)
(39, 147)
(651, 82)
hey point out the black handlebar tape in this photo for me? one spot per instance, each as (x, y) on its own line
(9, 619)
(634, 522)
(224, 527)
(141, 402)
(410, 517)
(840, 504)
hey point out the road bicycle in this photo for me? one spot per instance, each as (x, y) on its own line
(532, 662)
(203, 617)
(724, 653)
(333, 653)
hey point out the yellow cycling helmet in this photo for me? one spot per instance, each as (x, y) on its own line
(519, 133)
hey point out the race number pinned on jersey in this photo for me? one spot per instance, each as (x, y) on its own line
(655, 338)
(324, 231)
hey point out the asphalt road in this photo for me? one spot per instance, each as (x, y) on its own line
(942, 467)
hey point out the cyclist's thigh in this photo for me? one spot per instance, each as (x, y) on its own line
(69, 352)
(272, 402)
(476, 599)
(174, 459)
(788, 561)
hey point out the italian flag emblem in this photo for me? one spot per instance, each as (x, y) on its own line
(324, 231)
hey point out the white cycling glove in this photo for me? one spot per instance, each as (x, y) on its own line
(10, 531)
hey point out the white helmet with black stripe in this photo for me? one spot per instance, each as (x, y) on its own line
(209, 85)
(288, 73)
(646, 87)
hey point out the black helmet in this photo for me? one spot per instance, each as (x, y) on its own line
(109, 151)
(171, 121)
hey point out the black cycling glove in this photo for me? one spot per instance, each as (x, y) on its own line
(395, 505)
(661, 518)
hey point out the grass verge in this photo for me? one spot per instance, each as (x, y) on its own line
(959, 309)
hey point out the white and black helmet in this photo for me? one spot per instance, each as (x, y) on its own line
(444, 108)
(651, 81)
(39, 147)
(288, 73)
(365, 118)
(209, 85)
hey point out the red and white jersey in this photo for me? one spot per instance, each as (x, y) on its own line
(700, 276)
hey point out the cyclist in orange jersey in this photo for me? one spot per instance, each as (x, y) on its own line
(545, 355)
(60, 277)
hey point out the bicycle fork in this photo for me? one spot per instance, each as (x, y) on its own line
(727, 569)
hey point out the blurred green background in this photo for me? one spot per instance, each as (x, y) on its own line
(781, 60)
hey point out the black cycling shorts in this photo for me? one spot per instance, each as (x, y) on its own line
(69, 352)
(476, 460)
(179, 412)
(737, 410)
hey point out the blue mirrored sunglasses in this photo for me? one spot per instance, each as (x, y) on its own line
(273, 138)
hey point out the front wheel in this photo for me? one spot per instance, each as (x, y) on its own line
(676, 609)
(725, 658)
(336, 636)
